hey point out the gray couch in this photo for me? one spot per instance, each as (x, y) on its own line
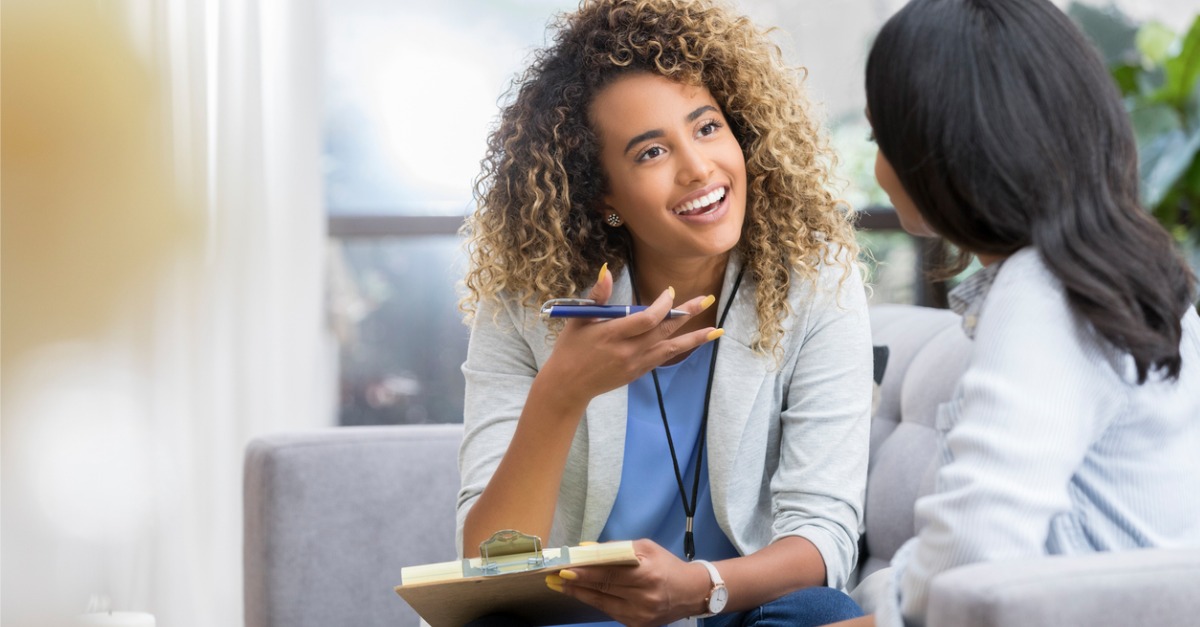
(331, 516)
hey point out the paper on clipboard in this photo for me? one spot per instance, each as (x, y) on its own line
(508, 577)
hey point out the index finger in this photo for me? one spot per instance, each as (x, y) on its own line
(654, 314)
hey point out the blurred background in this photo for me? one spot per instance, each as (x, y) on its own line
(225, 218)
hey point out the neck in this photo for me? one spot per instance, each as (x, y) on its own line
(689, 277)
(987, 260)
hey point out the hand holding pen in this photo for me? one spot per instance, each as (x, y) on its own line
(590, 358)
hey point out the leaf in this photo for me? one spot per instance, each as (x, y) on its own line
(1150, 83)
(1191, 187)
(1151, 120)
(1126, 77)
(1183, 70)
(1164, 161)
(1154, 41)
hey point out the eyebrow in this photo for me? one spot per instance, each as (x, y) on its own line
(691, 117)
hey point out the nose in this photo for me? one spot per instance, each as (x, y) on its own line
(694, 164)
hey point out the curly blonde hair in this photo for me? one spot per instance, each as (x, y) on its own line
(537, 232)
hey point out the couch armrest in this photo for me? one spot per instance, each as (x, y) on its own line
(1139, 587)
(332, 515)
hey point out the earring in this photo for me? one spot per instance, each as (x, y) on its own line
(613, 220)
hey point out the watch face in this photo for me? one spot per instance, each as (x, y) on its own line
(720, 596)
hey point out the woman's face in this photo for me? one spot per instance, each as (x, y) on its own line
(675, 171)
(906, 209)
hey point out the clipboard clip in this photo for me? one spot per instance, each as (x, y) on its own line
(510, 551)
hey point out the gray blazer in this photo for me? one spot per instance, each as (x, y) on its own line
(787, 437)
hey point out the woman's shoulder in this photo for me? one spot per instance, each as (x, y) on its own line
(1026, 316)
(836, 284)
(834, 294)
(1025, 288)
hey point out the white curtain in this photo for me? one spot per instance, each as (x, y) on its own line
(123, 437)
(257, 353)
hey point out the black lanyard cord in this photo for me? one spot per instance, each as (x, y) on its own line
(689, 509)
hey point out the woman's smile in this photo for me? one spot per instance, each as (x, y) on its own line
(704, 204)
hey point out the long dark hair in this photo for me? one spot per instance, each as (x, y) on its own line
(1006, 130)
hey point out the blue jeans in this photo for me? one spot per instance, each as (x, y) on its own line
(808, 607)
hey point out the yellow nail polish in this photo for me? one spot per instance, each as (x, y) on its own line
(603, 269)
(588, 543)
(672, 291)
(554, 587)
(569, 575)
(714, 334)
(554, 580)
(708, 301)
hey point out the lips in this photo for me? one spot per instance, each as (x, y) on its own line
(703, 204)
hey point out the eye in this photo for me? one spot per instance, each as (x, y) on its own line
(709, 127)
(650, 153)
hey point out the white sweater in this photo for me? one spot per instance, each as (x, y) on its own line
(1049, 446)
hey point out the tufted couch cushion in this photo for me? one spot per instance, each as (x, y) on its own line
(927, 354)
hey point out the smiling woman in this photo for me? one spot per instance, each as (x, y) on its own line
(660, 152)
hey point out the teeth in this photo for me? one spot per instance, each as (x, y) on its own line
(703, 201)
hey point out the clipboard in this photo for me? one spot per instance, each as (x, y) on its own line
(508, 577)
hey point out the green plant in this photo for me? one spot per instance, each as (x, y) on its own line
(1158, 73)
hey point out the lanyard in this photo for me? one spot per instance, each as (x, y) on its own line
(689, 508)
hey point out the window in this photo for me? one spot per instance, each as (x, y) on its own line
(411, 91)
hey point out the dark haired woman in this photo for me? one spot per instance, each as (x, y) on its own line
(660, 153)
(1076, 425)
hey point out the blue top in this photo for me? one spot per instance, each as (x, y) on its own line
(648, 504)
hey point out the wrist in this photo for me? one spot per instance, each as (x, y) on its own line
(716, 595)
(698, 586)
(557, 397)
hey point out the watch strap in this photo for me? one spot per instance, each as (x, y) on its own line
(717, 582)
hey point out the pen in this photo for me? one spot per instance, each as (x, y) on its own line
(587, 308)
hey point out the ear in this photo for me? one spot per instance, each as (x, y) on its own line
(604, 209)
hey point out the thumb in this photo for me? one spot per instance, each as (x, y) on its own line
(602, 290)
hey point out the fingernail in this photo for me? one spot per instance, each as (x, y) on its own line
(603, 269)
(672, 291)
(708, 301)
(554, 580)
(569, 575)
(714, 334)
(555, 587)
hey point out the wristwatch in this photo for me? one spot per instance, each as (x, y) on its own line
(718, 596)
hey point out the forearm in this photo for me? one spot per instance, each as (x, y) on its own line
(523, 491)
(780, 568)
